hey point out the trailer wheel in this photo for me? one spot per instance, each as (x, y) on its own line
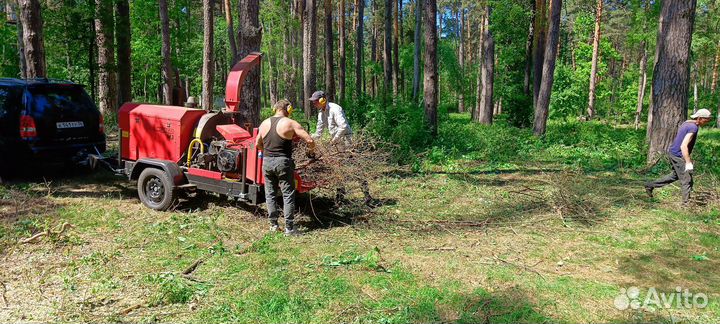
(156, 190)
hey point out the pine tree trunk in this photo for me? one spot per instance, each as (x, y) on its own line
(416, 52)
(539, 36)
(22, 61)
(249, 41)
(231, 32)
(387, 48)
(528, 60)
(651, 109)
(671, 73)
(642, 84)
(593, 69)
(713, 86)
(477, 111)
(461, 62)
(107, 77)
(488, 72)
(91, 63)
(374, 46)
(551, 48)
(396, 51)
(123, 38)
(309, 54)
(166, 50)
(329, 52)
(33, 42)
(289, 72)
(343, 53)
(359, 49)
(12, 9)
(431, 64)
(273, 79)
(695, 92)
(208, 71)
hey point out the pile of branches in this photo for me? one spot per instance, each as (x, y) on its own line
(577, 199)
(336, 165)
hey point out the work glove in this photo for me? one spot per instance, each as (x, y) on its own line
(689, 167)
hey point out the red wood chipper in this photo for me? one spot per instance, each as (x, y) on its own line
(168, 149)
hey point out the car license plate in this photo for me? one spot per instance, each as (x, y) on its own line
(73, 124)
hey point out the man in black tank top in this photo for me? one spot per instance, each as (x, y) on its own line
(275, 136)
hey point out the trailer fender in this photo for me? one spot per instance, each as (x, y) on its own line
(171, 168)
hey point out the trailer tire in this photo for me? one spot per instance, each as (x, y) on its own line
(156, 190)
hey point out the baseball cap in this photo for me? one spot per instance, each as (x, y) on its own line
(702, 113)
(317, 95)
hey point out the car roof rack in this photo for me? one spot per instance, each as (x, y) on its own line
(50, 80)
(35, 81)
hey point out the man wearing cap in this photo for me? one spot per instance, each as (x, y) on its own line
(679, 156)
(332, 117)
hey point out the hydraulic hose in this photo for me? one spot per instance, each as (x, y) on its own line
(190, 149)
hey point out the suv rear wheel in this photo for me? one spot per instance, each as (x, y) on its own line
(156, 190)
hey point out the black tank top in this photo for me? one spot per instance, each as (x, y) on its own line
(274, 145)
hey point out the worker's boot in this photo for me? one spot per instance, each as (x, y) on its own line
(290, 229)
(274, 227)
(291, 232)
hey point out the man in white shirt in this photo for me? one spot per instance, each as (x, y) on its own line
(332, 117)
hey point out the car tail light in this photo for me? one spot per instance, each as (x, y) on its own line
(102, 124)
(27, 127)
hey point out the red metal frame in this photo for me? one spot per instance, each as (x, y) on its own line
(205, 173)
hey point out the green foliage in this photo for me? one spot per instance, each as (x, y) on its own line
(370, 260)
(512, 60)
(172, 289)
(9, 66)
(402, 125)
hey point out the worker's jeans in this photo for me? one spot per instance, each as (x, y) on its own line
(678, 173)
(279, 172)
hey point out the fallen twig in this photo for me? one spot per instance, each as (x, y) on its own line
(521, 267)
(442, 248)
(445, 222)
(4, 290)
(33, 238)
(47, 232)
(190, 269)
(130, 309)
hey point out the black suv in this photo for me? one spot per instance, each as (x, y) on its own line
(47, 120)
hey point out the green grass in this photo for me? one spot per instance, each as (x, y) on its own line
(495, 226)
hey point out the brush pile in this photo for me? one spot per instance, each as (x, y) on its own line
(335, 165)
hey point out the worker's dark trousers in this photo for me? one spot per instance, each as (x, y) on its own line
(279, 173)
(678, 173)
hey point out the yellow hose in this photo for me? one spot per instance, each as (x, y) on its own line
(190, 149)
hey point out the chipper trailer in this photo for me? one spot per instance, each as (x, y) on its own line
(168, 149)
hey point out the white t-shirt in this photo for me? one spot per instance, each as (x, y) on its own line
(333, 118)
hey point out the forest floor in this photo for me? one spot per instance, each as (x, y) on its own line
(527, 242)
